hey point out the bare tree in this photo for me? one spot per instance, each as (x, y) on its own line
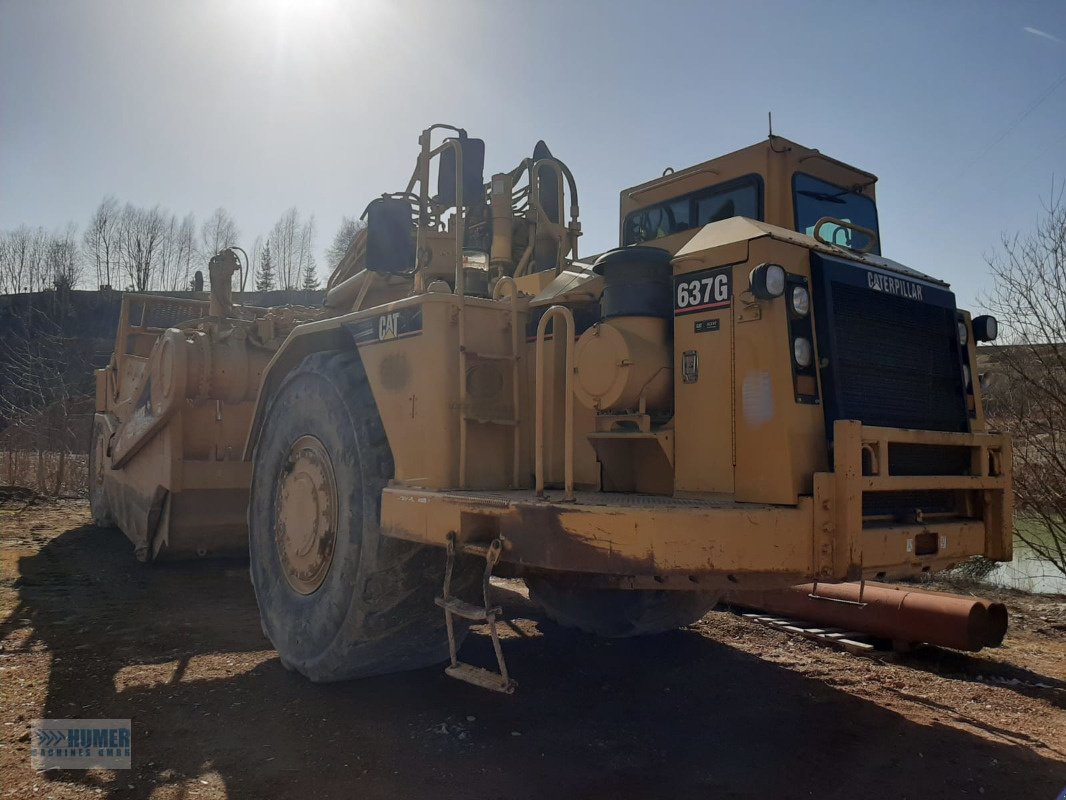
(5, 255)
(283, 238)
(218, 232)
(39, 279)
(44, 382)
(166, 261)
(142, 235)
(23, 268)
(292, 243)
(185, 254)
(342, 240)
(14, 260)
(101, 241)
(256, 257)
(1026, 393)
(61, 262)
(32, 259)
(306, 255)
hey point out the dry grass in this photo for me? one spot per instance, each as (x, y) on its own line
(56, 474)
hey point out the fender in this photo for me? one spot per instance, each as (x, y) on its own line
(311, 337)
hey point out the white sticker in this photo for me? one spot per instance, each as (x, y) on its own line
(758, 394)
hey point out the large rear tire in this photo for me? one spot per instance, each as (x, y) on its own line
(337, 599)
(614, 614)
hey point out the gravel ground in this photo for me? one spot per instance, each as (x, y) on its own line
(725, 708)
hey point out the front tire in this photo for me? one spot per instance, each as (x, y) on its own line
(616, 613)
(337, 599)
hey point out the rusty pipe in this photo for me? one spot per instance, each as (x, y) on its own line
(888, 612)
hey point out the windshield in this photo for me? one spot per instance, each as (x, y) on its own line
(814, 199)
(739, 198)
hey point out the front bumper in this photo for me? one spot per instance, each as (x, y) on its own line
(643, 541)
(849, 545)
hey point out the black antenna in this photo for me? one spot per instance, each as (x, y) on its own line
(770, 123)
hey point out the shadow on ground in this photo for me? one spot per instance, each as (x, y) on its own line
(675, 716)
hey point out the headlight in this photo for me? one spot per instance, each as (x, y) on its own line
(965, 374)
(767, 281)
(985, 328)
(962, 333)
(801, 349)
(801, 301)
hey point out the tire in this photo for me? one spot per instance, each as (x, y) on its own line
(99, 507)
(365, 607)
(615, 613)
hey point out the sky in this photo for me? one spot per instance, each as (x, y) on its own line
(958, 107)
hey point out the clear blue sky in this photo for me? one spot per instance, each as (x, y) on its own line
(258, 106)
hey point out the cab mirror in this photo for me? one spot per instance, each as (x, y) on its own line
(390, 236)
(473, 172)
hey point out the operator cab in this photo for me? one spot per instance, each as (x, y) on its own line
(776, 181)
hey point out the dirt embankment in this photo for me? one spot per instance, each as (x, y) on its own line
(724, 709)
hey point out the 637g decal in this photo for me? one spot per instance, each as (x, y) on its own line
(703, 291)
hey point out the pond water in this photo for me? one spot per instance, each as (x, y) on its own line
(1028, 571)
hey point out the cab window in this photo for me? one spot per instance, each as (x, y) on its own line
(814, 199)
(738, 198)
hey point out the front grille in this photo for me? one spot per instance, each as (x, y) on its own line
(927, 459)
(887, 360)
(903, 504)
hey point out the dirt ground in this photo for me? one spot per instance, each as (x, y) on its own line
(724, 709)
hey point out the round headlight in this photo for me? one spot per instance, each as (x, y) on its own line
(962, 333)
(985, 328)
(767, 281)
(801, 349)
(801, 301)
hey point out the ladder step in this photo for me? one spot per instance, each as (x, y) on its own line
(466, 610)
(478, 676)
(492, 420)
(491, 356)
(474, 549)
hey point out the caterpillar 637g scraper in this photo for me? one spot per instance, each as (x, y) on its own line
(744, 395)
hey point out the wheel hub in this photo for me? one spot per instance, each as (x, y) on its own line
(306, 513)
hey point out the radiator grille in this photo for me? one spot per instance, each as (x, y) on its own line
(893, 362)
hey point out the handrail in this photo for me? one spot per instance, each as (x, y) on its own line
(871, 236)
(460, 288)
(568, 445)
(675, 177)
(563, 233)
(507, 282)
(459, 223)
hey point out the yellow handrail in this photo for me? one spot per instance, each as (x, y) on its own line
(568, 445)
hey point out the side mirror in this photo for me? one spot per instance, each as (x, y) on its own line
(390, 239)
(473, 172)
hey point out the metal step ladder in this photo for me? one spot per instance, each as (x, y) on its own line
(513, 357)
(456, 607)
